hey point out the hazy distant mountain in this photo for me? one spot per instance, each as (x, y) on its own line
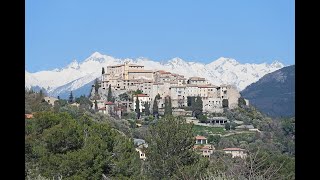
(220, 71)
(274, 93)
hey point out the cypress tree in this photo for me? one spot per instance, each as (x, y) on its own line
(41, 93)
(96, 87)
(155, 110)
(147, 108)
(70, 97)
(157, 96)
(103, 70)
(167, 106)
(199, 104)
(138, 107)
(109, 98)
(95, 105)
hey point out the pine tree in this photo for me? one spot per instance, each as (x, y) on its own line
(70, 97)
(169, 147)
(103, 70)
(58, 97)
(138, 107)
(155, 109)
(109, 98)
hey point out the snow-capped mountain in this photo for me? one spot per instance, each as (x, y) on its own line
(220, 71)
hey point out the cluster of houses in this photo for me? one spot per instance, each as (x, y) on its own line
(131, 77)
(201, 146)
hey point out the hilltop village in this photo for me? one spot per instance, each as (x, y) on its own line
(130, 78)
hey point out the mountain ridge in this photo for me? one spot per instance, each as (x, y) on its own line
(220, 71)
(274, 93)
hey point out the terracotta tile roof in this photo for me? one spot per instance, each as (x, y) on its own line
(233, 149)
(197, 78)
(28, 116)
(142, 95)
(164, 72)
(181, 86)
(109, 103)
(200, 137)
(138, 70)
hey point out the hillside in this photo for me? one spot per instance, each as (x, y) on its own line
(274, 93)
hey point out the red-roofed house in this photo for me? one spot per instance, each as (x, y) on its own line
(28, 116)
(236, 152)
(109, 107)
(201, 140)
(202, 147)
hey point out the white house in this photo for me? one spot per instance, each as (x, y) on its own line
(143, 98)
(236, 152)
(50, 100)
(203, 147)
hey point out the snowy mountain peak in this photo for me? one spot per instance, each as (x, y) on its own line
(96, 55)
(176, 61)
(74, 65)
(276, 64)
(223, 60)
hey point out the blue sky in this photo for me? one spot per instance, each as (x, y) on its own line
(59, 31)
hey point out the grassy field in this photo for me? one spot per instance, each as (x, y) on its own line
(210, 130)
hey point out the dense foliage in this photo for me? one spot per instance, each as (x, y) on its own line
(71, 142)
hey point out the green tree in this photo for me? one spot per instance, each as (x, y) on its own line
(147, 108)
(138, 91)
(96, 87)
(95, 105)
(109, 97)
(155, 109)
(233, 125)
(124, 97)
(203, 118)
(59, 104)
(41, 95)
(198, 107)
(214, 139)
(170, 143)
(60, 146)
(167, 106)
(227, 126)
(241, 102)
(84, 102)
(127, 164)
(103, 70)
(70, 98)
(137, 107)
(157, 96)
